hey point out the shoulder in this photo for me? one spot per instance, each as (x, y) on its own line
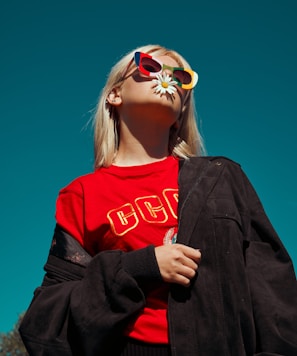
(212, 166)
(79, 183)
(215, 160)
(199, 162)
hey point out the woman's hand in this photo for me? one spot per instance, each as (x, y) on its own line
(177, 263)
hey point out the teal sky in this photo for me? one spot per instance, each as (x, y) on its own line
(55, 57)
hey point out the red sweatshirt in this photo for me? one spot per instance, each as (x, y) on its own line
(126, 208)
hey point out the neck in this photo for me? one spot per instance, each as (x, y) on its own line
(142, 145)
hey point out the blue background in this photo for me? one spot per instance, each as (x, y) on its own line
(55, 57)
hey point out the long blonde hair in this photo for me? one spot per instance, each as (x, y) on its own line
(184, 142)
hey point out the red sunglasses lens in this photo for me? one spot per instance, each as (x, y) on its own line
(150, 65)
(182, 76)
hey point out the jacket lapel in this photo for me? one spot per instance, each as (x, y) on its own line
(197, 178)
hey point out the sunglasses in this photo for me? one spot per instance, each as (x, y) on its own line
(151, 67)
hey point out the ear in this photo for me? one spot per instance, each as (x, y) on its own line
(114, 97)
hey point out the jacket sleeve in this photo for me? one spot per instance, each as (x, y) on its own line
(272, 282)
(83, 301)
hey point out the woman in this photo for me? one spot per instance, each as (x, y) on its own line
(160, 251)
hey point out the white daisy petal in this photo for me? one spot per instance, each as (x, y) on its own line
(164, 84)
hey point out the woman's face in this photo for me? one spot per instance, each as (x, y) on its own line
(139, 97)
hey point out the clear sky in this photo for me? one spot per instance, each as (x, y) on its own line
(55, 57)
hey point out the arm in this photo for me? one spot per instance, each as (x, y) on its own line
(84, 300)
(272, 283)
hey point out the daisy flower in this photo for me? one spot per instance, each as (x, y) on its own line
(164, 84)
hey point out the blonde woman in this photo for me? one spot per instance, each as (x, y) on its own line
(161, 250)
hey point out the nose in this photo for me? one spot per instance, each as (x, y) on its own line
(167, 70)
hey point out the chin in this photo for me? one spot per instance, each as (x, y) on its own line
(163, 109)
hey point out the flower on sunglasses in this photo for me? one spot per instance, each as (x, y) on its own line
(164, 84)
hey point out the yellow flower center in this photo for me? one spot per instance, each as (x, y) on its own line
(164, 85)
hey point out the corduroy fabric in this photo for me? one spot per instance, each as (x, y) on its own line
(137, 348)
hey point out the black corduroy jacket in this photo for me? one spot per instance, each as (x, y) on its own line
(242, 302)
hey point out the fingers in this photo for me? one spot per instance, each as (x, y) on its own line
(185, 258)
(185, 275)
(186, 261)
(191, 255)
(190, 252)
(178, 263)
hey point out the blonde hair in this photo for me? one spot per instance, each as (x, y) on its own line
(184, 141)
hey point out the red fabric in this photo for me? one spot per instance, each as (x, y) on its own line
(126, 208)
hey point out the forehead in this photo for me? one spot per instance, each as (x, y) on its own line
(168, 60)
